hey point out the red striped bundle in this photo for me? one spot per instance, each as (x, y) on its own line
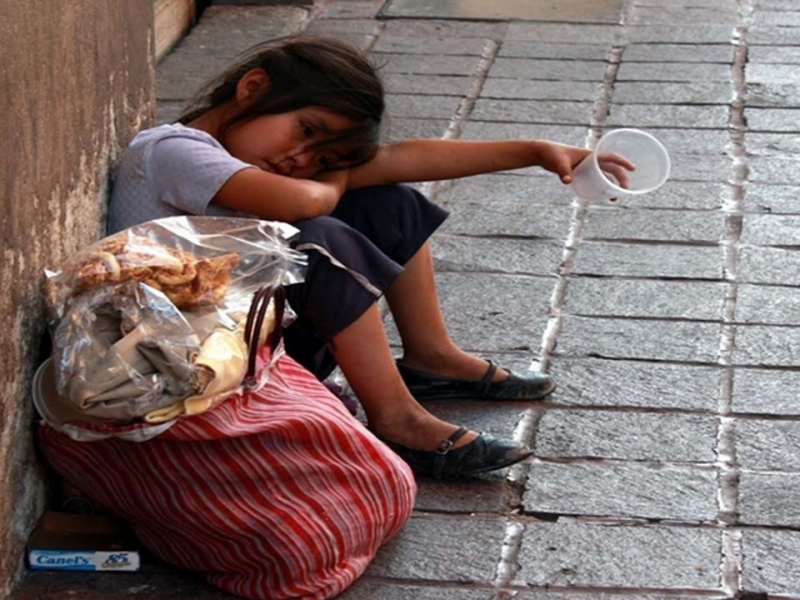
(276, 493)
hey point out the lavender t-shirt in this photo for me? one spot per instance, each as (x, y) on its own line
(170, 170)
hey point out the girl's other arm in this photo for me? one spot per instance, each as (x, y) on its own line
(431, 160)
(280, 198)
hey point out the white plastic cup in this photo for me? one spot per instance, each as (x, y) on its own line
(590, 182)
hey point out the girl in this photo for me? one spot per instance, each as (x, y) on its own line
(291, 134)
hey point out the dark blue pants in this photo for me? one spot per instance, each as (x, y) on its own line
(354, 255)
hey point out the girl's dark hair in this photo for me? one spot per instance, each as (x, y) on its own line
(305, 71)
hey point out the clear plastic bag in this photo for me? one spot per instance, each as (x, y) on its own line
(149, 324)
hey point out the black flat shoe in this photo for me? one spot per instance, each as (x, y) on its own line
(427, 386)
(483, 454)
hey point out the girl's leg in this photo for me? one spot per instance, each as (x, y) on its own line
(399, 221)
(427, 345)
(332, 305)
(363, 353)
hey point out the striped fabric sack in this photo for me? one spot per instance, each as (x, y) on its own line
(275, 493)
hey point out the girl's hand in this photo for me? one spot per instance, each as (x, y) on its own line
(562, 160)
(337, 181)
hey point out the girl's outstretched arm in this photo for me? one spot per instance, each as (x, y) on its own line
(431, 160)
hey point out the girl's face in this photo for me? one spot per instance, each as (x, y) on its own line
(279, 143)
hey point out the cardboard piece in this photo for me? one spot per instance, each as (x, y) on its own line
(67, 542)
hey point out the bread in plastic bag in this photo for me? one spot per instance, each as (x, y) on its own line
(148, 324)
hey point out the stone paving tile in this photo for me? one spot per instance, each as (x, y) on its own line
(768, 392)
(397, 128)
(643, 260)
(595, 382)
(547, 69)
(694, 167)
(540, 90)
(362, 41)
(562, 33)
(351, 9)
(438, 85)
(343, 26)
(694, 141)
(688, 117)
(766, 345)
(554, 50)
(480, 494)
(417, 64)
(495, 313)
(643, 298)
(455, 46)
(772, 95)
(504, 192)
(660, 53)
(460, 254)
(653, 225)
(364, 589)
(772, 144)
(547, 595)
(221, 34)
(692, 195)
(574, 554)
(626, 436)
(683, 34)
(683, 15)
(168, 112)
(768, 265)
(696, 3)
(772, 198)
(432, 28)
(768, 445)
(767, 304)
(773, 55)
(775, 74)
(602, 11)
(773, 119)
(153, 582)
(497, 418)
(773, 4)
(780, 18)
(762, 571)
(442, 550)
(769, 499)
(775, 170)
(768, 35)
(690, 72)
(771, 230)
(505, 131)
(533, 111)
(622, 491)
(672, 93)
(422, 107)
(181, 75)
(635, 339)
(490, 216)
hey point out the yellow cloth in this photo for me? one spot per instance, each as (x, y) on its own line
(218, 370)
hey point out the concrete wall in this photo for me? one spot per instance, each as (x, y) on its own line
(76, 83)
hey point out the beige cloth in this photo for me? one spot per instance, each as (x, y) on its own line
(218, 370)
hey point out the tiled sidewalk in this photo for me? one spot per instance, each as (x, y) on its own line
(668, 461)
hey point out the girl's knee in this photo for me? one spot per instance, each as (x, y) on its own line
(313, 229)
(392, 198)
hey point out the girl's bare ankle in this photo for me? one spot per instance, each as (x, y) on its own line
(423, 432)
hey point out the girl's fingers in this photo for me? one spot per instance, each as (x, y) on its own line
(618, 159)
(618, 172)
(564, 169)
